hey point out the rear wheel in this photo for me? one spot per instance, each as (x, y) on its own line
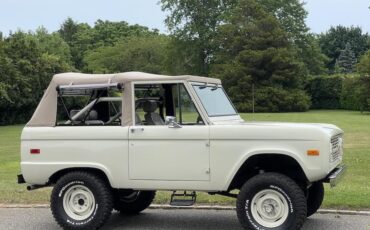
(314, 198)
(133, 202)
(81, 200)
(271, 201)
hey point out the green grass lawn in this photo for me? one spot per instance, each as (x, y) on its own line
(352, 193)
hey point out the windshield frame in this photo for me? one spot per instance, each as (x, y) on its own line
(197, 84)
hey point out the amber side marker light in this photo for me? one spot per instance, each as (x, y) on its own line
(313, 152)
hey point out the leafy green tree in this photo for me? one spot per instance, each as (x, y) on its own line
(4, 80)
(107, 33)
(146, 54)
(78, 37)
(291, 15)
(25, 71)
(194, 24)
(255, 50)
(182, 58)
(310, 53)
(53, 44)
(346, 61)
(82, 38)
(363, 66)
(335, 40)
(68, 29)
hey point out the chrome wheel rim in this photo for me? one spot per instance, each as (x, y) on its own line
(79, 202)
(269, 208)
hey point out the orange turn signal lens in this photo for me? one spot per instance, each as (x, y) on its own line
(313, 152)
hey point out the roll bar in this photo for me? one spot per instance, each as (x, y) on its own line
(85, 88)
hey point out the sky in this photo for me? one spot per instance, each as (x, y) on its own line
(30, 14)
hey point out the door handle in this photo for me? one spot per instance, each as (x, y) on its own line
(135, 130)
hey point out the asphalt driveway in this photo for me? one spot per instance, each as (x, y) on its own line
(41, 218)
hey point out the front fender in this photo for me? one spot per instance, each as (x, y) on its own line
(311, 176)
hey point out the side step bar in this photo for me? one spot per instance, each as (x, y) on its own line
(183, 199)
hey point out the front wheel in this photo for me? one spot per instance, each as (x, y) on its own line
(81, 200)
(314, 198)
(271, 201)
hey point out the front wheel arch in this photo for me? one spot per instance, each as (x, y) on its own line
(268, 162)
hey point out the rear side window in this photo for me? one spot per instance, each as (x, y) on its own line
(90, 107)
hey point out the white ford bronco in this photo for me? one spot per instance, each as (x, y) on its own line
(110, 141)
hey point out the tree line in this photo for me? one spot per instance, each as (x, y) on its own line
(260, 44)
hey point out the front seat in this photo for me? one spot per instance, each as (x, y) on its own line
(151, 117)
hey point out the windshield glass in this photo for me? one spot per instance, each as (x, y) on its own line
(215, 100)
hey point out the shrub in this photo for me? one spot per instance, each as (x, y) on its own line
(325, 91)
(273, 99)
(350, 92)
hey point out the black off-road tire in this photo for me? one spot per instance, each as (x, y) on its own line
(279, 184)
(315, 197)
(101, 192)
(135, 206)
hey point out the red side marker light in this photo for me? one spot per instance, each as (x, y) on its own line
(35, 151)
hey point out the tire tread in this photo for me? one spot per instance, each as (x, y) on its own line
(105, 194)
(137, 206)
(300, 199)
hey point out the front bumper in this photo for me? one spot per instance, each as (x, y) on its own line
(336, 175)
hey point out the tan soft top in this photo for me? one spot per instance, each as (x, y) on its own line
(81, 78)
(45, 114)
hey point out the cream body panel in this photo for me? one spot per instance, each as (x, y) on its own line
(162, 153)
(232, 145)
(103, 147)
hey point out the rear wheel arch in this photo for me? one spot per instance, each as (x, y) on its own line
(98, 172)
(268, 162)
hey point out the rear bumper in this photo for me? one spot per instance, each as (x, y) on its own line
(336, 175)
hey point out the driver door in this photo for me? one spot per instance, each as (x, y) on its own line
(165, 152)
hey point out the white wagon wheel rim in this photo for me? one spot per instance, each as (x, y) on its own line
(269, 208)
(79, 202)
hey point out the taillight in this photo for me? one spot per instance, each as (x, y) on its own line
(35, 151)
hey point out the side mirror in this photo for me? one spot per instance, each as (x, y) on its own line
(171, 122)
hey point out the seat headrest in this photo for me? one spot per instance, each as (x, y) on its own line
(93, 115)
(149, 106)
